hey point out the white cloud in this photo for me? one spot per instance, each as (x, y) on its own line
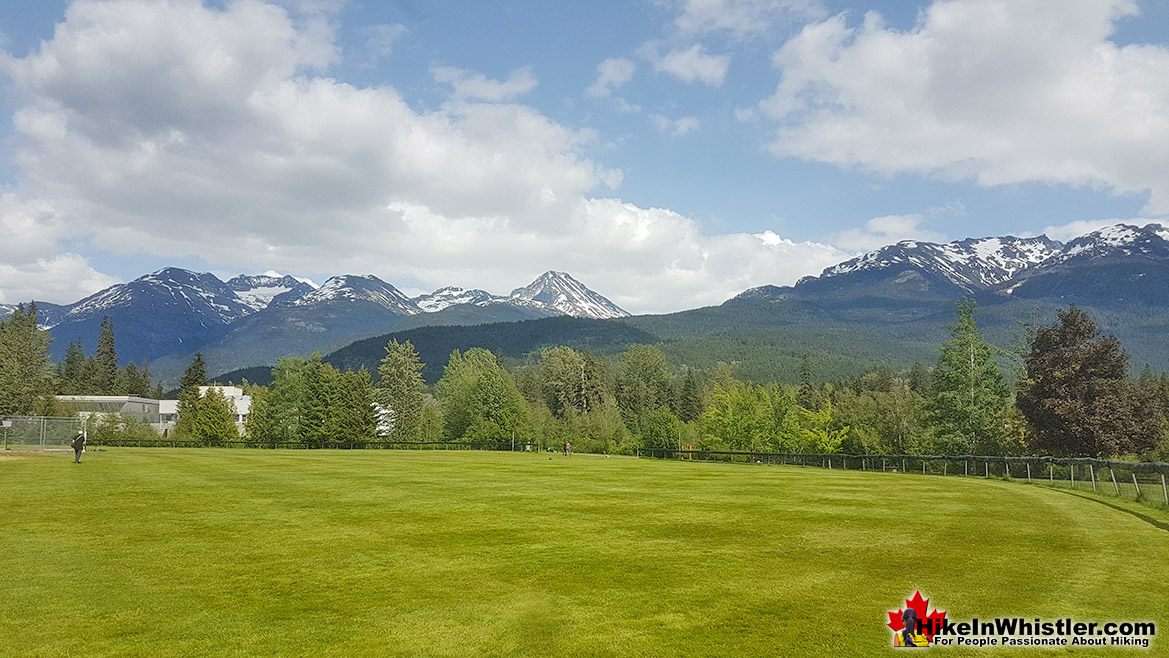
(675, 127)
(691, 65)
(179, 130)
(997, 91)
(60, 277)
(611, 73)
(741, 18)
(881, 231)
(471, 86)
(380, 40)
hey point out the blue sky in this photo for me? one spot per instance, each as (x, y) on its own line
(668, 153)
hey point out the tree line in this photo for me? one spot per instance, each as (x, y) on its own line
(1065, 390)
(30, 382)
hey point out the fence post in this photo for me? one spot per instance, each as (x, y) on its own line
(1051, 473)
(1092, 474)
(1134, 483)
(945, 468)
(923, 467)
(1028, 471)
(1073, 471)
(967, 463)
(1114, 485)
(987, 465)
(904, 467)
(1164, 489)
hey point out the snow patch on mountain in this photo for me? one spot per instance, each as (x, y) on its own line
(569, 296)
(451, 296)
(976, 264)
(366, 288)
(971, 264)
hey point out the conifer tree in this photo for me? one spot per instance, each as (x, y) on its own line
(215, 417)
(262, 423)
(318, 421)
(690, 402)
(401, 391)
(969, 394)
(71, 370)
(188, 410)
(357, 418)
(105, 373)
(27, 381)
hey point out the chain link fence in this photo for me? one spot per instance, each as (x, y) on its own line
(1140, 481)
(38, 432)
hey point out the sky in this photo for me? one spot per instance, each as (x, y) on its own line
(667, 153)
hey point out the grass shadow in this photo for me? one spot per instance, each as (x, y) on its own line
(1156, 523)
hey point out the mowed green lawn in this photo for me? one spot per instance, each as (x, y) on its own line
(159, 552)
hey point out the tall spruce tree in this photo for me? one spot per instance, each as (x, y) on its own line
(215, 418)
(194, 377)
(357, 420)
(261, 423)
(27, 380)
(969, 394)
(71, 371)
(319, 424)
(105, 372)
(401, 391)
(1077, 396)
(690, 399)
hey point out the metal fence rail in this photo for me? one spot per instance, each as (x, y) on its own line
(1142, 481)
(38, 432)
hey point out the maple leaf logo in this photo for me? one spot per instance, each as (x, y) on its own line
(919, 605)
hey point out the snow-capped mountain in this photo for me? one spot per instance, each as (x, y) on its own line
(353, 288)
(1006, 265)
(553, 293)
(1116, 242)
(451, 296)
(568, 296)
(182, 290)
(972, 264)
(257, 291)
(48, 315)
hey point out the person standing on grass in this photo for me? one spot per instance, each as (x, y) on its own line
(78, 444)
(567, 449)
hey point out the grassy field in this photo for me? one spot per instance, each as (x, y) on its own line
(158, 552)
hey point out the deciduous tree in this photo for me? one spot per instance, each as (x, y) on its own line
(1077, 396)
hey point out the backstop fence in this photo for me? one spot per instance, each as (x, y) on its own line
(38, 432)
(1141, 481)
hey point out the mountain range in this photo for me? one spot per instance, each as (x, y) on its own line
(891, 305)
(167, 316)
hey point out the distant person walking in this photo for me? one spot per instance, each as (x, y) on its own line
(78, 444)
(567, 449)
